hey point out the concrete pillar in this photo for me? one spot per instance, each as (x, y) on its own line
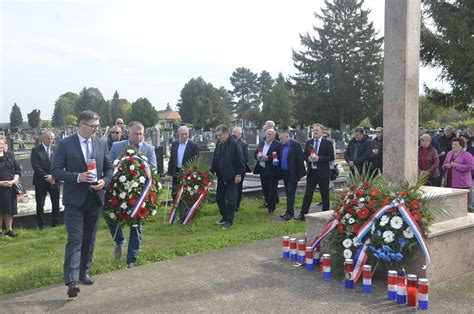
(400, 101)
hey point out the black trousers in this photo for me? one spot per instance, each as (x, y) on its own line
(226, 197)
(290, 190)
(269, 189)
(40, 195)
(239, 192)
(313, 179)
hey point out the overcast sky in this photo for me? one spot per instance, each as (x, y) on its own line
(146, 48)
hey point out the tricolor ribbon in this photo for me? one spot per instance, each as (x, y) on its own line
(176, 201)
(360, 260)
(407, 217)
(190, 214)
(146, 187)
(330, 227)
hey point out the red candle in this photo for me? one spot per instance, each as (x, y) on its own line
(411, 290)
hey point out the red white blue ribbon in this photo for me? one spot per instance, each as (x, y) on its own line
(177, 199)
(330, 227)
(146, 188)
(360, 260)
(194, 208)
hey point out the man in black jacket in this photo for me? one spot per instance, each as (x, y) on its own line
(291, 170)
(318, 153)
(359, 152)
(228, 165)
(182, 150)
(43, 181)
(237, 134)
(268, 168)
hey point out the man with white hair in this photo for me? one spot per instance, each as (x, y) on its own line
(182, 150)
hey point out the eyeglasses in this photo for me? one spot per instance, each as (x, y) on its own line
(115, 132)
(95, 127)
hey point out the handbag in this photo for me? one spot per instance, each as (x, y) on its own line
(334, 172)
(18, 188)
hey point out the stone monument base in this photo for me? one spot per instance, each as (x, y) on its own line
(449, 241)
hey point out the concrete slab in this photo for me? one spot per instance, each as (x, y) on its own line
(249, 278)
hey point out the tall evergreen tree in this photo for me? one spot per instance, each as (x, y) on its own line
(247, 106)
(143, 111)
(91, 99)
(115, 109)
(279, 104)
(447, 42)
(16, 118)
(265, 84)
(202, 105)
(63, 107)
(339, 78)
(34, 118)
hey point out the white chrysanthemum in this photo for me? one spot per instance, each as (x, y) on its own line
(112, 216)
(189, 178)
(132, 167)
(396, 222)
(134, 184)
(362, 200)
(355, 242)
(123, 206)
(408, 233)
(159, 186)
(351, 220)
(122, 195)
(153, 212)
(347, 253)
(347, 243)
(130, 151)
(196, 187)
(388, 236)
(116, 161)
(122, 179)
(384, 220)
(347, 216)
(199, 178)
(142, 179)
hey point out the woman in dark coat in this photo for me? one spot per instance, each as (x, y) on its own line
(428, 160)
(9, 175)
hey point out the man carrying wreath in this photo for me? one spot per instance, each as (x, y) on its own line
(136, 132)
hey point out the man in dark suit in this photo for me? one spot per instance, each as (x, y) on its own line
(237, 134)
(43, 181)
(136, 133)
(83, 195)
(267, 168)
(182, 150)
(358, 153)
(228, 165)
(291, 170)
(318, 153)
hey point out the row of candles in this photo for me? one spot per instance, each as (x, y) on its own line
(401, 287)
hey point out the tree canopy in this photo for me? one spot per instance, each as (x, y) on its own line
(34, 118)
(143, 111)
(64, 107)
(16, 118)
(91, 99)
(339, 71)
(447, 42)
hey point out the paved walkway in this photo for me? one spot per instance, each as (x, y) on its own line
(249, 278)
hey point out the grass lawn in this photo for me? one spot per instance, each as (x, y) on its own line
(35, 258)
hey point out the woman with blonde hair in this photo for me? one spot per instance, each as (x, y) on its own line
(428, 160)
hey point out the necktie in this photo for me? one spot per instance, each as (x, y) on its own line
(48, 152)
(316, 146)
(88, 152)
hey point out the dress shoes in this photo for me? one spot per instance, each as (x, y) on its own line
(72, 289)
(287, 217)
(86, 279)
(300, 217)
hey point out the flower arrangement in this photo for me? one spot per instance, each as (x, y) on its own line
(134, 192)
(367, 201)
(194, 179)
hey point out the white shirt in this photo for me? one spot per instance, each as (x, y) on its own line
(83, 146)
(266, 147)
(47, 150)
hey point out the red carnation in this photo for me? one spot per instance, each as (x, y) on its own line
(353, 187)
(134, 172)
(359, 193)
(338, 215)
(342, 195)
(142, 166)
(363, 213)
(205, 181)
(153, 197)
(114, 201)
(355, 228)
(123, 216)
(371, 203)
(130, 159)
(365, 185)
(340, 228)
(143, 212)
(350, 211)
(201, 191)
(403, 193)
(361, 176)
(414, 204)
(355, 203)
(374, 192)
(153, 181)
(347, 206)
(416, 215)
(351, 196)
(386, 201)
(205, 175)
(133, 200)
